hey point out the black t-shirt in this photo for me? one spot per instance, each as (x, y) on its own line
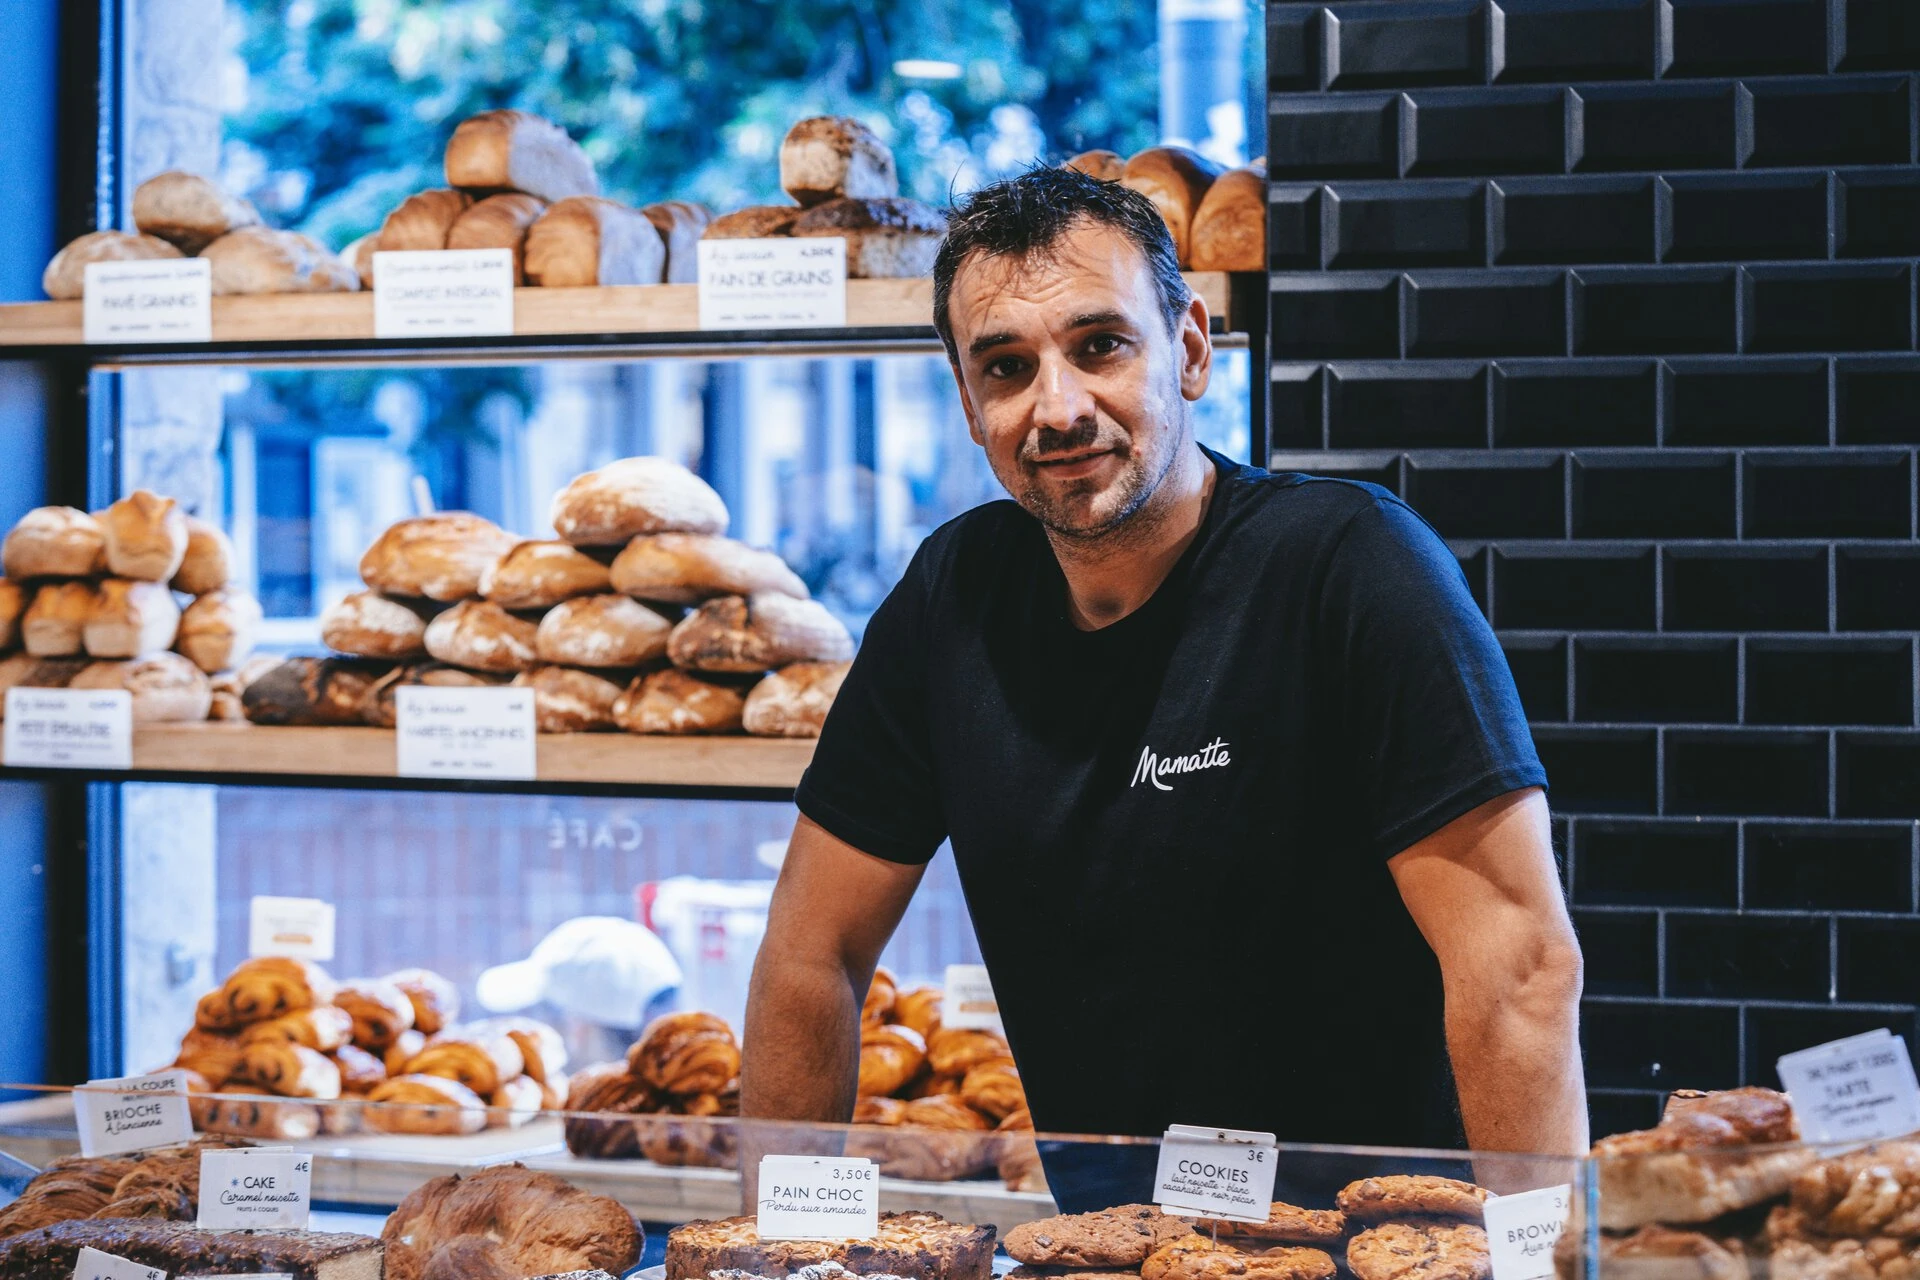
(1172, 832)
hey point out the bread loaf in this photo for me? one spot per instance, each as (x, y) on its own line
(54, 542)
(166, 688)
(753, 633)
(793, 702)
(536, 575)
(680, 223)
(129, 618)
(676, 702)
(23, 670)
(188, 211)
(886, 237)
(370, 625)
(66, 275)
(499, 222)
(1108, 166)
(602, 631)
(262, 260)
(569, 701)
(482, 636)
(217, 630)
(230, 687)
(145, 536)
(1229, 231)
(312, 691)
(423, 220)
(379, 707)
(359, 255)
(13, 604)
(825, 157)
(208, 561)
(54, 624)
(755, 222)
(1176, 180)
(518, 151)
(439, 556)
(686, 568)
(590, 240)
(607, 507)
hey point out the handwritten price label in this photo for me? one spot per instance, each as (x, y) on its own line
(1853, 1090)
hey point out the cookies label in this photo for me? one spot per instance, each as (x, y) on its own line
(254, 1187)
(1522, 1230)
(68, 729)
(95, 1265)
(1853, 1090)
(818, 1198)
(464, 733)
(776, 283)
(152, 300)
(1219, 1173)
(298, 927)
(132, 1113)
(443, 293)
(969, 1002)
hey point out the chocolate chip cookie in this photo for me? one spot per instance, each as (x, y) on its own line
(1420, 1251)
(1411, 1196)
(1120, 1237)
(1286, 1223)
(1199, 1258)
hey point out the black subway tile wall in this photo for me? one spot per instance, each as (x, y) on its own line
(1621, 296)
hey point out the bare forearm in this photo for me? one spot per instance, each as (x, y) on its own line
(803, 1040)
(1514, 1038)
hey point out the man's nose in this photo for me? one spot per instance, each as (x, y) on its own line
(1062, 396)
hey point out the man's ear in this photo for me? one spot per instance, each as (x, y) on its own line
(966, 405)
(1196, 350)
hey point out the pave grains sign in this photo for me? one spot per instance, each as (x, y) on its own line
(773, 284)
(818, 1198)
(132, 1113)
(150, 300)
(1217, 1173)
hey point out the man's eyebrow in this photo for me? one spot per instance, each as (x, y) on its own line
(1092, 319)
(987, 342)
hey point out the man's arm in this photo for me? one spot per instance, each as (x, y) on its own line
(1484, 893)
(833, 910)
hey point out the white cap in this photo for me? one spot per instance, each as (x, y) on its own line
(601, 968)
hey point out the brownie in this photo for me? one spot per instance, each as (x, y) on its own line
(912, 1245)
(51, 1253)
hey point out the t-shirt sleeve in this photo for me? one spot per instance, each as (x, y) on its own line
(1432, 722)
(871, 781)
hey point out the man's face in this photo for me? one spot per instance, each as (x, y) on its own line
(1071, 380)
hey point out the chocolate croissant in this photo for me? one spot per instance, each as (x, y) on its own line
(213, 1013)
(993, 1088)
(481, 1064)
(954, 1052)
(601, 1092)
(919, 1009)
(686, 1053)
(249, 1111)
(268, 986)
(514, 1103)
(380, 1012)
(360, 1071)
(436, 1001)
(889, 1058)
(323, 1029)
(881, 993)
(289, 1070)
(542, 1049)
(213, 1055)
(426, 1104)
(405, 1047)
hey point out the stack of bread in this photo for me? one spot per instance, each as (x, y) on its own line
(163, 1183)
(641, 616)
(1217, 217)
(93, 602)
(279, 1035)
(682, 1073)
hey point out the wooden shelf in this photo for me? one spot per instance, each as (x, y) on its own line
(619, 320)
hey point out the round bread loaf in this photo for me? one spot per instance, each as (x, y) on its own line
(793, 702)
(370, 625)
(602, 631)
(1108, 166)
(1176, 180)
(217, 630)
(54, 624)
(66, 276)
(566, 700)
(422, 220)
(545, 1225)
(755, 222)
(208, 562)
(887, 237)
(54, 542)
(145, 536)
(1229, 231)
(440, 556)
(166, 688)
(188, 211)
(13, 603)
(673, 701)
(686, 568)
(753, 633)
(262, 260)
(540, 574)
(129, 618)
(482, 636)
(825, 157)
(607, 507)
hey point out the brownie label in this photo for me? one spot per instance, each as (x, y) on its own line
(254, 1187)
(132, 1113)
(1217, 1173)
(151, 300)
(1853, 1090)
(818, 1198)
(1522, 1230)
(442, 293)
(95, 1265)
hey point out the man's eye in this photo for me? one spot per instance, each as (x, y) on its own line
(1103, 344)
(1004, 367)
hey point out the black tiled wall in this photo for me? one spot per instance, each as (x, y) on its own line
(1620, 294)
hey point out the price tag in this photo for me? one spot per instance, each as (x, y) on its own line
(968, 1002)
(1219, 1173)
(438, 293)
(1853, 1090)
(155, 300)
(95, 1265)
(464, 733)
(254, 1187)
(68, 729)
(818, 1198)
(777, 283)
(132, 1113)
(1522, 1230)
(298, 927)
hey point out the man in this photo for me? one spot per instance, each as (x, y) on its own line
(1240, 793)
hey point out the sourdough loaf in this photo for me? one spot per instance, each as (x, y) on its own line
(754, 633)
(128, 618)
(482, 636)
(166, 688)
(539, 574)
(217, 630)
(826, 157)
(1229, 231)
(422, 220)
(602, 631)
(66, 275)
(617, 502)
(686, 568)
(439, 556)
(54, 542)
(188, 211)
(756, 222)
(54, 624)
(145, 536)
(793, 702)
(886, 237)
(262, 260)
(680, 224)
(1175, 179)
(674, 701)
(499, 222)
(566, 700)
(207, 562)
(370, 625)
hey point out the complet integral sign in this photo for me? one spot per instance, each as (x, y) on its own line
(777, 283)
(439, 293)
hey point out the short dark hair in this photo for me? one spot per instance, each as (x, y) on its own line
(1025, 217)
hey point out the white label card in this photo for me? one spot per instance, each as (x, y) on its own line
(95, 1265)
(1853, 1090)
(777, 283)
(254, 1187)
(154, 300)
(1217, 1173)
(818, 1198)
(439, 293)
(968, 1003)
(464, 733)
(1522, 1230)
(132, 1113)
(298, 927)
(68, 729)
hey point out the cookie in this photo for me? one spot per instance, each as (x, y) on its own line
(1120, 1237)
(1068, 1273)
(1198, 1258)
(1285, 1222)
(1411, 1196)
(1420, 1251)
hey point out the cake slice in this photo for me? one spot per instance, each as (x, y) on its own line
(177, 1248)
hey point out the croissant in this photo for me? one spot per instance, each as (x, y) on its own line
(436, 1002)
(944, 1112)
(931, 1084)
(687, 1143)
(481, 1065)
(213, 1013)
(919, 1009)
(402, 1051)
(954, 1052)
(889, 1058)
(360, 1071)
(541, 1047)
(380, 1011)
(268, 986)
(686, 1053)
(252, 1112)
(325, 1028)
(881, 993)
(960, 1149)
(993, 1088)
(604, 1091)
(1019, 1163)
(514, 1103)
(212, 1055)
(426, 1104)
(886, 1111)
(289, 1070)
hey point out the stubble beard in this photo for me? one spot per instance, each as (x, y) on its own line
(1089, 512)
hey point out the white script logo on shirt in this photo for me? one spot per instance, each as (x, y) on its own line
(1152, 768)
